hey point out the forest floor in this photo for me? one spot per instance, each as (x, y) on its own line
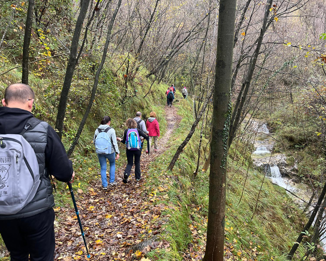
(120, 223)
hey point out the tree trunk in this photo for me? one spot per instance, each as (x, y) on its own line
(317, 233)
(308, 225)
(220, 132)
(191, 132)
(91, 99)
(27, 40)
(70, 67)
(235, 120)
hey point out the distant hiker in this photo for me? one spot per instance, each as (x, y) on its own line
(170, 98)
(131, 138)
(106, 146)
(166, 93)
(153, 129)
(173, 88)
(26, 202)
(184, 92)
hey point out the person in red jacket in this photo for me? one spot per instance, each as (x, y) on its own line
(153, 129)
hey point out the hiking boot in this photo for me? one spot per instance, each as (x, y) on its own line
(105, 188)
(155, 150)
(113, 183)
(137, 180)
(125, 178)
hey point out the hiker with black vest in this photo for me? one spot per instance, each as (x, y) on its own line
(26, 224)
(106, 146)
(131, 138)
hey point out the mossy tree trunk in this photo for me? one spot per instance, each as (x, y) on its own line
(220, 131)
(27, 41)
(70, 67)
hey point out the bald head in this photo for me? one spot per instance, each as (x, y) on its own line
(19, 95)
(138, 113)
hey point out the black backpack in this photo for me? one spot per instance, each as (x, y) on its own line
(170, 95)
(138, 124)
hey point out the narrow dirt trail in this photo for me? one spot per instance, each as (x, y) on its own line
(115, 221)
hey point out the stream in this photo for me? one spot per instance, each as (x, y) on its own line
(264, 159)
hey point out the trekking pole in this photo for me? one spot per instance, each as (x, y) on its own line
(77, 213)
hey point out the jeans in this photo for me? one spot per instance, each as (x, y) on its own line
(32, 236)
(131, 154)
(102, 159)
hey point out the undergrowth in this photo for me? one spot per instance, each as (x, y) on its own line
(261, 226)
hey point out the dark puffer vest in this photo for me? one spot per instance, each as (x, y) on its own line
(43, 199)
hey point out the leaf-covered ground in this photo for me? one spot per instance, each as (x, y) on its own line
(120, 223)
(125, 221)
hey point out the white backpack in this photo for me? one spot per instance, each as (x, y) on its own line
(19, 172)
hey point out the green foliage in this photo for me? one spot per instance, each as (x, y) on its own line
(297, 137)
(265, 232)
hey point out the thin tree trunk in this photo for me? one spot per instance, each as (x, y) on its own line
(316, 235)
(243, 16)
(27, 41)
(191, 132)
(235, 120)
(199, 146)
(308, 225)
(70, 67)
(147, 30)
(220, 132)
(98, 72)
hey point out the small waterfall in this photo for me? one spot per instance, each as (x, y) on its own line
(263, 128)
(277, 178)
(262, 150)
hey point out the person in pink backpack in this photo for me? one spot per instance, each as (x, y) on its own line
(153, 129)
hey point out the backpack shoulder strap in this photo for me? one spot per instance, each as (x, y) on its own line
(105, 130)
(30, 124)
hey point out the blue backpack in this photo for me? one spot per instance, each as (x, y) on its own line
(102, 142)
(133, 140)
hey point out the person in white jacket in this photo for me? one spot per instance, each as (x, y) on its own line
(184, 92)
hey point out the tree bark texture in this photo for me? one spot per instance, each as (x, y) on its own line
(98, 72)
(220, 132)
(27, 40)
(70, 67)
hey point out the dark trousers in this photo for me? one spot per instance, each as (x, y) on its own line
(131, 154)
(32, 236)
(170, 101)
